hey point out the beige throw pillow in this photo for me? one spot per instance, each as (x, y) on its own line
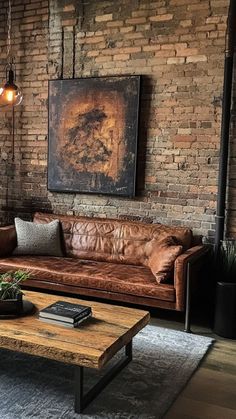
(38, 239)
(161, 257)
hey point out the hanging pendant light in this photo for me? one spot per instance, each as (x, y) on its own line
(10, 94)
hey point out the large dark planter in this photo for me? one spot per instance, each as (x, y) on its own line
(225, 310)
(11, 306)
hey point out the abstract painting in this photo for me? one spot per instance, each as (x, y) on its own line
(93, 129)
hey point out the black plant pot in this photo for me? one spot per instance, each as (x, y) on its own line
(11, 306)
(225, 310)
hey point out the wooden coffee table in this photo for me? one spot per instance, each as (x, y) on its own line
(91, 345)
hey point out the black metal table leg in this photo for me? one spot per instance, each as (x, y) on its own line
(79, 384)
(81, 400)
(188, 301)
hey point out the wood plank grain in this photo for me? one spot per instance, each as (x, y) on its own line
(92, 345)
(192, 409)
(222, 395)
(210, 393)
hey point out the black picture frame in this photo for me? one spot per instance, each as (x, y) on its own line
(93, 135)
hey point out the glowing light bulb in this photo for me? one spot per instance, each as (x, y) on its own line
(9, 96)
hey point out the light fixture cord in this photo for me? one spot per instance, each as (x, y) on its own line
(9, 31)
(13, 134)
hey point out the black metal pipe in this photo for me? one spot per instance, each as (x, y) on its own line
(224, 151)
(225, 125)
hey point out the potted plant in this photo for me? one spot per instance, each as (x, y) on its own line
(10, 292)
(225, 304)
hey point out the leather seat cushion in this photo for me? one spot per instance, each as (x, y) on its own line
(126, 279)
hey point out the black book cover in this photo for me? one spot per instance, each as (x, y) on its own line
(63, 323)
(62, 310)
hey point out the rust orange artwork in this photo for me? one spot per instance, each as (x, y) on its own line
(93, 135)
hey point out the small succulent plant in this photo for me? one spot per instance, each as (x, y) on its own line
(10, 284)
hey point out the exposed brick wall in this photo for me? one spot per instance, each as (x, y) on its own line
(23, 182)
(178, 47)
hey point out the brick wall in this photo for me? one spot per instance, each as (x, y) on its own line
(178, 47)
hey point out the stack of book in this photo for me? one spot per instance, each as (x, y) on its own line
(65, 314)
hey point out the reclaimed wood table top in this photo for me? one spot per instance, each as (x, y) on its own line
(92, 344)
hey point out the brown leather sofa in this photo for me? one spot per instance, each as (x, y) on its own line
(109, 258)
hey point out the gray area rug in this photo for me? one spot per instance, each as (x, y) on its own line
(163, 362)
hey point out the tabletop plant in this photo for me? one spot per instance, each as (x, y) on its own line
(10, 284)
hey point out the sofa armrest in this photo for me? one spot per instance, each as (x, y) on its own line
(8, 240)
(196, 256)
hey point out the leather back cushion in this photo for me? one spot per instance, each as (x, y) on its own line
(113, 240)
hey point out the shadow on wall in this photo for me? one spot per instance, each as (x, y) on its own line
(14, 200)
(25, 209)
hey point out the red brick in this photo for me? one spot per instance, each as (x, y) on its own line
(136, 20)
(161, 18)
